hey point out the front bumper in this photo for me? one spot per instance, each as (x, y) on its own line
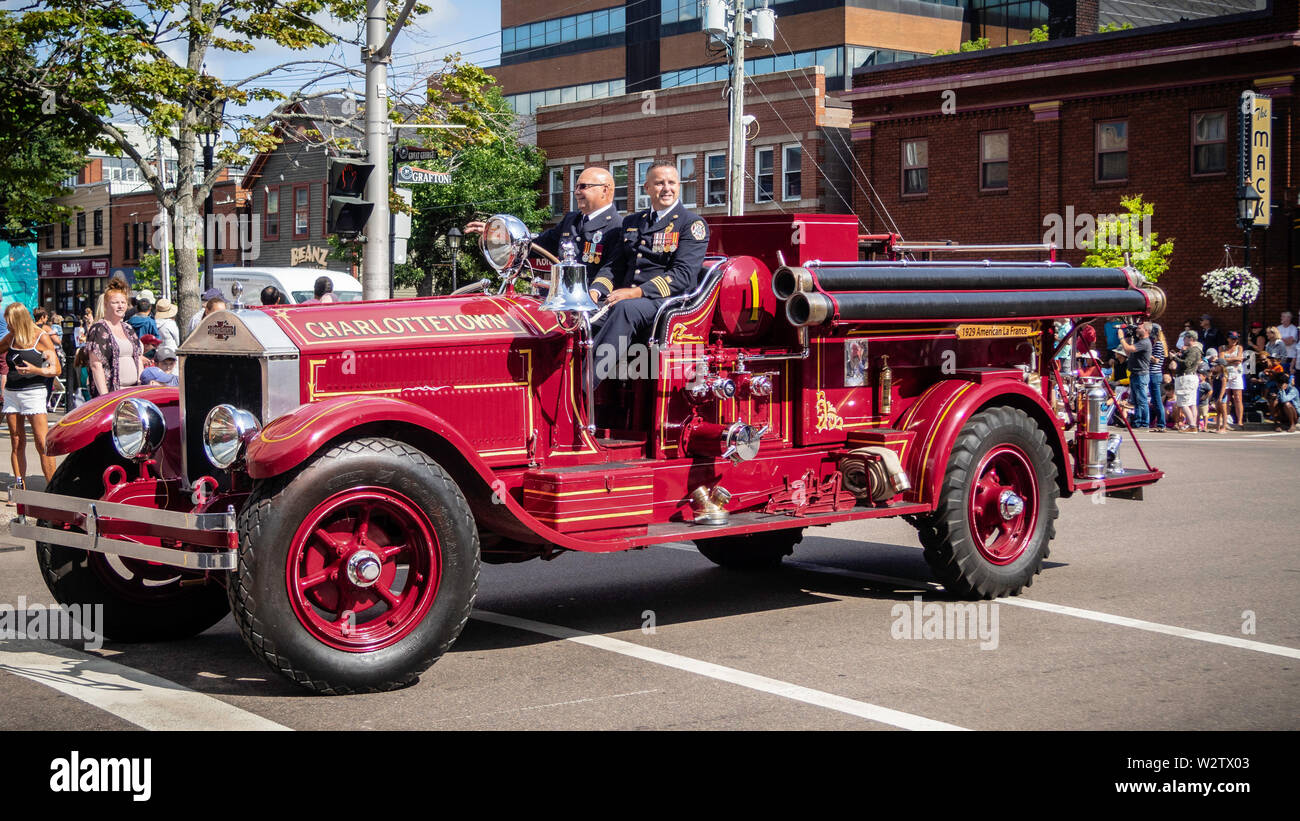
(210, 540)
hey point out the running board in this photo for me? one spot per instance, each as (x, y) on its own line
(742, 523)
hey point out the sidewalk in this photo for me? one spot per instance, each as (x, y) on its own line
(35, 479)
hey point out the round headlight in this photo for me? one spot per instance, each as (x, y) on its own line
(504, 238)
(138, 428)
(225, 431)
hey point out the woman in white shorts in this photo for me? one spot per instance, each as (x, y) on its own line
(1186, 382)
(1233, 355)
(29, 358)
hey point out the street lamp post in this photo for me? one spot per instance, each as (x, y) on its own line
(1247, 201)
(209, 136)
(453, 242)
(209, 139)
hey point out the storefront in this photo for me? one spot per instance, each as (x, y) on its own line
(72, 285)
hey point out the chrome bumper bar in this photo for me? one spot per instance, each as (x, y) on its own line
(94, 510)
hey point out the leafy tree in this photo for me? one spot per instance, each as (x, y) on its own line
(1107, 28)
(496, 175)
(38, 150)
(1127, 239)
(98, 56)
(148, 274)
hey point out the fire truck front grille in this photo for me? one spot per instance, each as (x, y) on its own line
(210, 381)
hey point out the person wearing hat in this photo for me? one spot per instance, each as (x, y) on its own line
(1183, 366)
(207, 296)
(1210, 336)
(163, 373)
(165, 316)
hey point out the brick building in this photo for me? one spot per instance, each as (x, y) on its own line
(598, 48)
(996, 145)
(797, 159)
(114, 224)
(134, 219)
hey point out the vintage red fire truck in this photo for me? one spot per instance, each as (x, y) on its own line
(334, 474)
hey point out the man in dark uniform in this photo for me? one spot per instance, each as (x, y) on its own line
(661, 254)
(595, 229)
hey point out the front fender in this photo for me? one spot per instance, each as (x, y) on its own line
(943, 410)
(85, 424)
(293, 437)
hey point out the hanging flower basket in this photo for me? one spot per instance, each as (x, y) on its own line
(1230, 287)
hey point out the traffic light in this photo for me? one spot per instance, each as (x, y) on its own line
(348, 208)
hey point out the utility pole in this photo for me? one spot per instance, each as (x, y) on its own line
(725, 22)
(375, 269)
(736, 142)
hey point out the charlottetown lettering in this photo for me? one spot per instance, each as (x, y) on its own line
(405, 325)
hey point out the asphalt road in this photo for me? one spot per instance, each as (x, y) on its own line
(1175, 613)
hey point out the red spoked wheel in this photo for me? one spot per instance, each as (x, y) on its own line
(1003, 505)
(993, 522)
(356, 571)
(363, 569)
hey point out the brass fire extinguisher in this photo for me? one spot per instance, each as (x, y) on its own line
(886, 386)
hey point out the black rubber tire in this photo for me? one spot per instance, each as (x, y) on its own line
(258, 590)
(950, 548)
(168, 612)
(755, 552)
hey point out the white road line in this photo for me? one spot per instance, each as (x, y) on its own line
(784, 689)
(1156, 627)
(143, 699)
(1065, 610)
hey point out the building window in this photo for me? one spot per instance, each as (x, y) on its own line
(792, 172)
(1112, 150)
(99, 227)
(527, 104)
(271, 229)
(301, 211)
(49, 236)
(618, 170)
(916, 166)
(690, 186)
(1210, 143)
(994, 152)
(557, 190)
(563, 30)
(642, 171)
(764, 174)
(81, 230)
(574, 173)
(65, 235)
(126, 241)
(716, 182)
